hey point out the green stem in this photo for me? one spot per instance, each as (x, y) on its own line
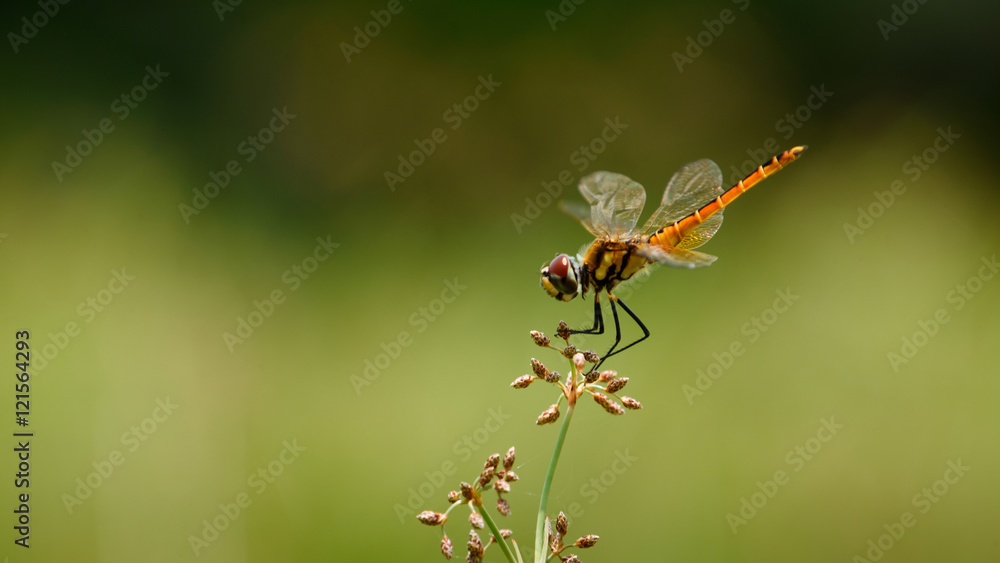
(496, 534)
(540, 547)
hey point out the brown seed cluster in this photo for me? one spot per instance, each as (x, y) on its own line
(557, 536)
(522, 382)
(540, 338)
(432, 518)
(446, 548)
(631, 403)
(548, 415)
(569, 351)
(497, 475)
(563, 331)
(538, 368)
(603, 386)
(617, 385)
(476, 519)
(476, 548)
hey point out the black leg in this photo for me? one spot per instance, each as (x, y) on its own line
(618, 332)
(598, 327)
(645, 331)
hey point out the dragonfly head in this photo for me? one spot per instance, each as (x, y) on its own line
(561, 278)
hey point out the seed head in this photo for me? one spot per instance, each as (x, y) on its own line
(591, 376)
(562, 523)
(476, 544)
(508, 459)
(631, 403)
(432, 518)
(591, 356)
(485, 477)
(563, 330)
(466, 491)
(587, 541)
(476, 519)
(550, 415)
(608, 375)
(570, 559)
(540, 339)
(609, 405)
(454, 496)
(501, 486)
(492, 462)
(446, 548)
(616, 385)
(538, 368)
(503, 507)
(552, 377)
(569, 351)
(579, 361)
(510, 477)
(522, 382)
(556, 542)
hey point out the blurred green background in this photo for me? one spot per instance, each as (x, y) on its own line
(373, 442)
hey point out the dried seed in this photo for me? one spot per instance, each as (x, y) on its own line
(609, 405)
(617, 385)
(540, 339)
(432, 518)
(522, 382)
(508, 459)
(631, 403)
(446, 548)
(550, 415)
(476, 519)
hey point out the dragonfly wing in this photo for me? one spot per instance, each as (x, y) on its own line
(700, 234)
(582, 213)
(691, 187)
(677, 257)
(615, 201)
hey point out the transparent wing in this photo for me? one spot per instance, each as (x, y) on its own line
(677, 257)
(582, 213)
(615, 202)
(691, 187)
(700, 234)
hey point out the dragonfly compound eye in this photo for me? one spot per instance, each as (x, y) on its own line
(560, 278)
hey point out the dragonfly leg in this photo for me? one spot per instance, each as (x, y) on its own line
(598, 327)
(618, 332)
(645, 331)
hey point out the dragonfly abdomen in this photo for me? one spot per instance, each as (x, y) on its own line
(671, 235)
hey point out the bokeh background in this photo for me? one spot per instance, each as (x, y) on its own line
(373, 443)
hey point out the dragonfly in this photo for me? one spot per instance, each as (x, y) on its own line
(689, 214)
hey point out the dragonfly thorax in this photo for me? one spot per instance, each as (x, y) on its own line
(608, 263)
(561, 278)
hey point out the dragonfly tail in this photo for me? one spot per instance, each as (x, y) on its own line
(672, 234)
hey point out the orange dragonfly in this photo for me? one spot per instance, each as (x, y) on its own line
(688, 216)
